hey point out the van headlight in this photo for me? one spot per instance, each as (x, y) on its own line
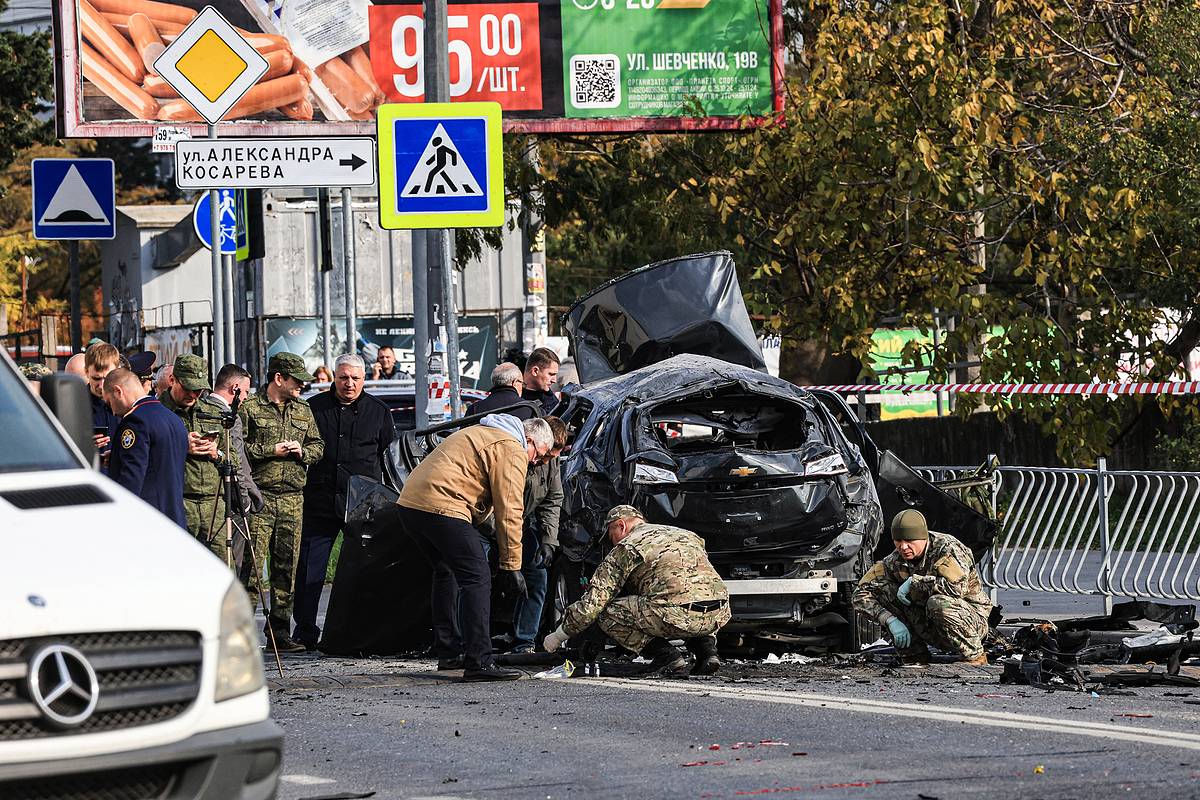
(239, 660)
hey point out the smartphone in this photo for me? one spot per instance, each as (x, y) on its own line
(99, 430)
(210, 435)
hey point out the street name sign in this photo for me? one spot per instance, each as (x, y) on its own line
(211, 65)
(231, 203)
(275, 163)
(441, 165)
(74, 198)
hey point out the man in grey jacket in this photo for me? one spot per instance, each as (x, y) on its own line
(543, 504)
(232, 383)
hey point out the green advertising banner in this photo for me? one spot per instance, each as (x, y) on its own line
(886, 350)
(666, 58)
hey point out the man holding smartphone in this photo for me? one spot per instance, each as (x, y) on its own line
(203, 495)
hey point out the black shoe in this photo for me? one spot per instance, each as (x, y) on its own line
(705, 651)
(454, 662)
(286, 644)
(491, 673)
(665, 659)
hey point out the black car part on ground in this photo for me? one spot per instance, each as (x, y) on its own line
(691, 304)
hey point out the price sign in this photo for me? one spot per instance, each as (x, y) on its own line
(495, 53)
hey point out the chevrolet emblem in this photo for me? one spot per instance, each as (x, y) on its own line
(743, 472)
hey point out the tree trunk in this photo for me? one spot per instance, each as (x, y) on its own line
(813, 363)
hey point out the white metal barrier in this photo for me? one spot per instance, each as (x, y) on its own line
(1096, 531)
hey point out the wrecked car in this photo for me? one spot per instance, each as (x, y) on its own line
(676, 414)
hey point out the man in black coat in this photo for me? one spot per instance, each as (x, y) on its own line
(507, 383)
(541, 371)
(357, 429)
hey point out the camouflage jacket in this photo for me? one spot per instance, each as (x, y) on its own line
(945, 568)
(264, 425)
(665, 565)
(200, 476)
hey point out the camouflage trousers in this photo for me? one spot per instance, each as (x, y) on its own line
(633, 621)
(205, 518)
(947, 623)
(276, 534)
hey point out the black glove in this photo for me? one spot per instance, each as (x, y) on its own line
(545, 555)
(511, 583)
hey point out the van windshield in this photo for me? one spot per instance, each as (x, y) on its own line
(28, 440)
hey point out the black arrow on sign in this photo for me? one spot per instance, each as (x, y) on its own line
(353, 162)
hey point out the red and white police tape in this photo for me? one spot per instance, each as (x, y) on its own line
(1147, 387)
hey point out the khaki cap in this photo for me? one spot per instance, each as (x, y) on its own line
(291, 365)
(191, 372)
(909, 525)
(621, 512)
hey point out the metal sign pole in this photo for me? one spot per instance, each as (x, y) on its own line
(450, 315)
(324, 267)
(348, 262)
(76, 322)
(420, 305)
(218, 311)
(227, 276)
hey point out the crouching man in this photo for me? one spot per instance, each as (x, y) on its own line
(927, 591)
(671, 591)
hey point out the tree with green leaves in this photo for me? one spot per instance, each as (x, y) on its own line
(1026, 165)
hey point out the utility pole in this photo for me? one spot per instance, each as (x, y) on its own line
(420, 305)
(76, 321)
(324, 267)
(438, 248)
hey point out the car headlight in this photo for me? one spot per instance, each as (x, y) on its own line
(644, 473)
(827, 465)
(239, 660)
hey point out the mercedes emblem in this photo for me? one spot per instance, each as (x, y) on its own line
(63, 685)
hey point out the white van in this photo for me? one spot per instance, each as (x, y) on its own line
(129, 659)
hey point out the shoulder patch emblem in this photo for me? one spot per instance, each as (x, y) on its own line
(949, 569)
(128, 438)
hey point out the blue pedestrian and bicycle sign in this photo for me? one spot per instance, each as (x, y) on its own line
(231, 204)
(74, 198)
(441, 165)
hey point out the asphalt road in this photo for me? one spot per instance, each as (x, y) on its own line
(401, 730)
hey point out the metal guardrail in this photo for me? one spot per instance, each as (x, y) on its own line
(1095, 531)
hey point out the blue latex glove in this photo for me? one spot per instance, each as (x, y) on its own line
(902, 592)
(900, 635)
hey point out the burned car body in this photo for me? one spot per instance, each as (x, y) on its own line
(754, 465)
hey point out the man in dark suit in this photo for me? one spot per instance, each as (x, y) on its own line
(507, 383)
(149, 447)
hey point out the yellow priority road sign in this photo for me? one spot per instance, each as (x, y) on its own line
(441, 165)
(211, 65)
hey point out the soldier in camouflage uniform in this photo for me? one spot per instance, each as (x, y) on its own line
(671, 592)
(282, 442)
(927, 591)
(203, 499)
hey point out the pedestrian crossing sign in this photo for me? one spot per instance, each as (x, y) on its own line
(441, 165)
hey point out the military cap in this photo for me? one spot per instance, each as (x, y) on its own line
(909, 525)
(621, 512)
(142, 364)
(289, 364)
(34, 371)
(191, 372)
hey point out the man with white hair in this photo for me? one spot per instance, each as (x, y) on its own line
(357, 429)
(474, 472)
(507, 383)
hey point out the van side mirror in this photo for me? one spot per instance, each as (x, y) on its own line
(68, 399)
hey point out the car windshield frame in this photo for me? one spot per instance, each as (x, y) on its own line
(28, 431)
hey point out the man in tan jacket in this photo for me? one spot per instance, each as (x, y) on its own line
(473, 473)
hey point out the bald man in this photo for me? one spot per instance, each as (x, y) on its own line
(150, 445)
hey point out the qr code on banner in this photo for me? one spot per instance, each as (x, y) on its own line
(595, 81)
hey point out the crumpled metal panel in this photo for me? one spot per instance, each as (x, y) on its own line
(691, 304)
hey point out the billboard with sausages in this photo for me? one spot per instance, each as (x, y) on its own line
(570, 66)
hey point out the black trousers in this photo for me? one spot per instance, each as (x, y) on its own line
(462, 585)
(316, 542)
